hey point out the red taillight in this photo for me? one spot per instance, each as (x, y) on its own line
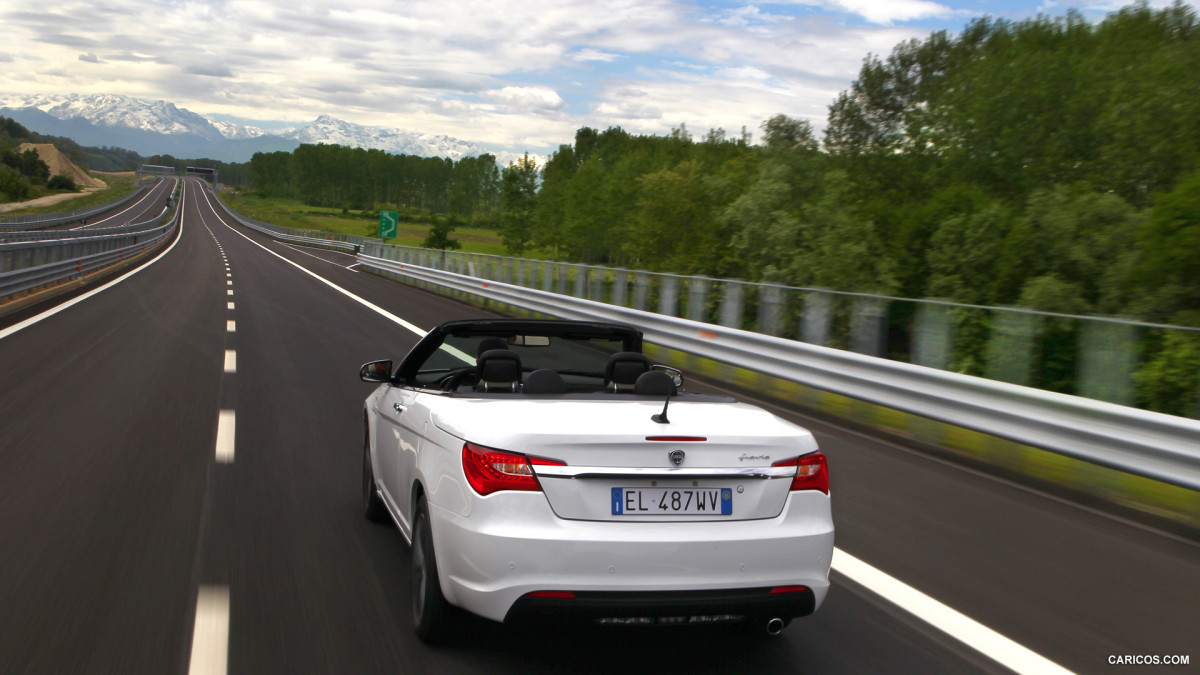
(552, 595)
(810, 472)
(491, 470)
(788, 589)
(677, 439)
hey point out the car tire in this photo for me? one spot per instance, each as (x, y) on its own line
(373, 507)
(432, 614)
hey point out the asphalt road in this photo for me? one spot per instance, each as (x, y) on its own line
(118, 524)
(144, 208)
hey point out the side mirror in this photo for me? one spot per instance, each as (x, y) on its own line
(675, 373)
(376, 371)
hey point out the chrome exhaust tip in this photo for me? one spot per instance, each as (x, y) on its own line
(775, 626)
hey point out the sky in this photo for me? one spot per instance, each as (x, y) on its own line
(511, 76)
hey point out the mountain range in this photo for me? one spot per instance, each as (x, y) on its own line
(162, 128)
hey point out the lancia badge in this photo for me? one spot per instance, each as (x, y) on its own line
(676, 457)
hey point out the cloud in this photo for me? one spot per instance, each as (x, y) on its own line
(90, 58)
(537, 99)
(208, 70)
(886, 12)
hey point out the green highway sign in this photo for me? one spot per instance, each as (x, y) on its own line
(387, 224)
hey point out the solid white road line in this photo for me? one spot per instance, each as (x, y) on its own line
(148, 195)
(230, 361)
(78, 299)
(226, 425)
(974, 634)
(210, 635)
(950, 621)
(297, 250)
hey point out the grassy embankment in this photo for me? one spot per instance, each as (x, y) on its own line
(292, 213)
(119, 185)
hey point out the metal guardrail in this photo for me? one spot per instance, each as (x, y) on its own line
(29, 265)
(1150, 444)
(42, 220)
(338, 241)
(40, 235)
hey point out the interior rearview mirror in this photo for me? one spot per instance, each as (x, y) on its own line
(376, 371)
(529, 340)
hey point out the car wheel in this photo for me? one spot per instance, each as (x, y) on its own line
(373, 507)
(431, 612)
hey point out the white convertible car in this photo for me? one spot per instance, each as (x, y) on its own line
(546, 470)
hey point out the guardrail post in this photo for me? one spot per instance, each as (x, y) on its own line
(620, 281)
(770, 309)
(547, 271)
(814, 322)
(732, 298)
(933, 338)
(1107, 358)
(562, 278)
(596, 286)
(1010, 350)
(697, 299)
(641, 288)
(580, 288)
(668, 300)
(520, 272)
(868, 326)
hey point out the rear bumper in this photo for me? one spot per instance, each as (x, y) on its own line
(512, 544)
(666, 608)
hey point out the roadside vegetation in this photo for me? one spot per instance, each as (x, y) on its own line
(119, 185)
(413, 230)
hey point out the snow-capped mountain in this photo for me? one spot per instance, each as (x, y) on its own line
(236, 132)
(327, 129)
(109, 110)
(160, 127)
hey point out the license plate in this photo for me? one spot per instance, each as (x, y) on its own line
(672, 501)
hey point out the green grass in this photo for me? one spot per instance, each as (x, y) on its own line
(119, 185)
(292, 213)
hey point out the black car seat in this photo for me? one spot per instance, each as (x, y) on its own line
(544, 381)
(499, 370)
(654, 383)
(623, 370)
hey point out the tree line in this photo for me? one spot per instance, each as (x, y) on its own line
(356, 178)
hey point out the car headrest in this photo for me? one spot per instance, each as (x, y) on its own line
(499, 369)
(543, 381)
(487, 344)
(623, 369)
(654, 383)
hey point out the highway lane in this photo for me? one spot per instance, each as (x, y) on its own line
(119, 512)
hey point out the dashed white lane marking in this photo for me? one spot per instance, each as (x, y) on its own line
(229, 305)
(950, 621)
(229, 292)
(229, 282)
(210, 636)
(230, 326)
(230, 361)
(226, 421)
(78, 299)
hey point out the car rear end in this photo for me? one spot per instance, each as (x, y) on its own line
(590, 510)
